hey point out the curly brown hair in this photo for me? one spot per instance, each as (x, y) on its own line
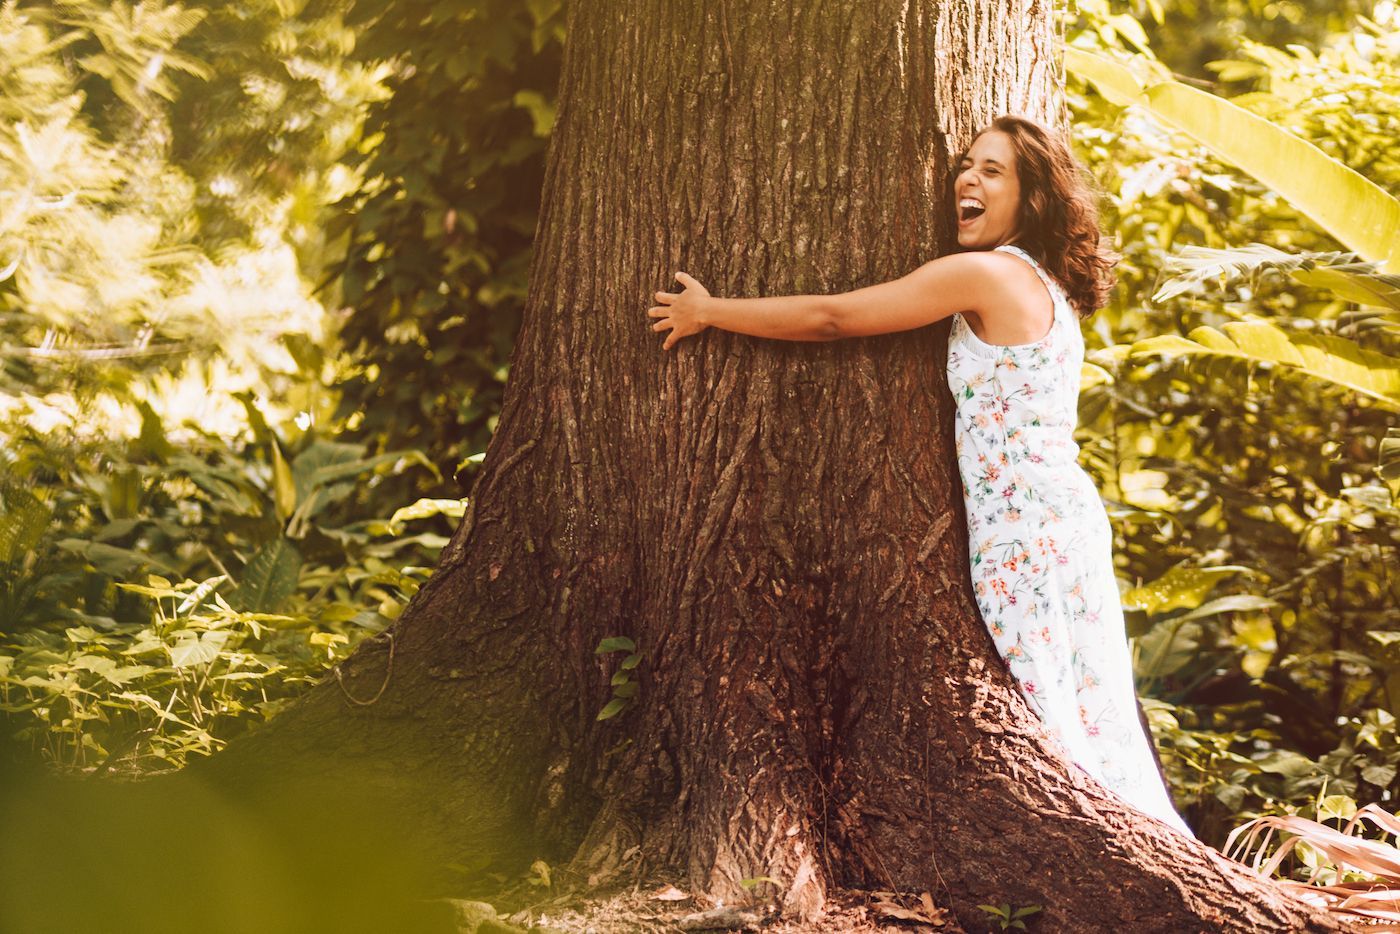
(1058, 218)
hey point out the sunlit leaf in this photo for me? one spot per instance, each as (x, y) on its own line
(1343, 202)
(1180, 587)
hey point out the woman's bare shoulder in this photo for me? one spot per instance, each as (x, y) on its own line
(1012, 302)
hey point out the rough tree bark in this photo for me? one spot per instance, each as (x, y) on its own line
(777, 525)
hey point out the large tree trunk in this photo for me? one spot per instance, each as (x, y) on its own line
(778, 526)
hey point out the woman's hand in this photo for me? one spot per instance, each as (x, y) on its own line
(679, 311)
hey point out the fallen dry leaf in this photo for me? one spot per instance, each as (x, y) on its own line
(926, 912)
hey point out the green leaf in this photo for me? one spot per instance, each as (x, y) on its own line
(1234, 603)
(320, 467)
(1180, 587)
(127, 673)
(1167, 647)
(541, 110)
(98, 664)
(615, 644)
(630, 662)
(192, 648)
(1322, 356)
(1340, 807)
(1341, 200)
(1388, 464)
(199, 594)
(284, 483)
(425, 507)
(1379, 775)
(1287, 763)
(114, 561)
(268, 579)
(152, 440)
(757, 881)
(612, 708)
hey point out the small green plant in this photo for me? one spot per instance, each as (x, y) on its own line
(624, 688)
(1009, 916)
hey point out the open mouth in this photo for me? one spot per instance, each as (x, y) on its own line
(970, 208)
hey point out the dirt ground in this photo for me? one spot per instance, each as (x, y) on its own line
(663, 909)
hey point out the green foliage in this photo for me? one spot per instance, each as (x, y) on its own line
(97, 669)
(624, 689)
(1008, 917)
(145, 246)
(83, 247)
(439, 238)
(1344, 202)
(1240, 427)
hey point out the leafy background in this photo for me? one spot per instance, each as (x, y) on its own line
(261, 266)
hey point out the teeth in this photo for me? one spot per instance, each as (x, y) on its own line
(971, 203)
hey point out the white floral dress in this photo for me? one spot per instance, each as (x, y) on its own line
(1042, 549)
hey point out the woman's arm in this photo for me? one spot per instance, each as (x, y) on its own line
(934, 291)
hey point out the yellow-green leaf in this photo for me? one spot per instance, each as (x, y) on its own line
(285, 483)
(1323, 356)
(1341, 200)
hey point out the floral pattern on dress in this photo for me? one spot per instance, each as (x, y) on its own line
(1040, 548)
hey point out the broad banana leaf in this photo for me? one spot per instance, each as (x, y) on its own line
(1323, 356)
(1343, 202)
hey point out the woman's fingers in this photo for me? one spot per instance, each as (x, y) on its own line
(668, 314)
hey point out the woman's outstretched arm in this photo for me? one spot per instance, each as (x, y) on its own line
(937, 289)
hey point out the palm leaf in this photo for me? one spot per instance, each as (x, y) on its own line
(1192, 268)
(23, 520)
(1375, 897)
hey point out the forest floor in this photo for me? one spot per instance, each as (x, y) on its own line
(663, 909)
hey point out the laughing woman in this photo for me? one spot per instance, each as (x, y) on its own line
(1031, 267)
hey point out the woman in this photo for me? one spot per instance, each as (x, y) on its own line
(1040, 540)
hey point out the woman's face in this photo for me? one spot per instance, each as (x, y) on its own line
(987, 193)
